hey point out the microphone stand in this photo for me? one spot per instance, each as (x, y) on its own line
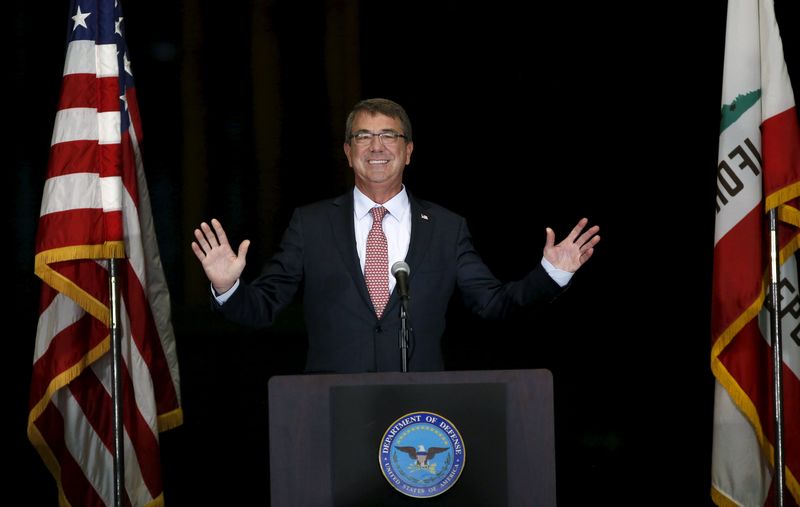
(404, 330)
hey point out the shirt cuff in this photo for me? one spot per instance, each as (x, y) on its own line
(559, 276)
(221, 298)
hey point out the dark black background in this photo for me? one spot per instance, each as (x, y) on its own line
(525, 116)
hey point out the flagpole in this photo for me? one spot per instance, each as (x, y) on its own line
(116, 384)
(777, 356)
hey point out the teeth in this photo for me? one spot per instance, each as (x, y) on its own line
(378, 161)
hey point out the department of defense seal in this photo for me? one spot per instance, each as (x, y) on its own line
(421, 454)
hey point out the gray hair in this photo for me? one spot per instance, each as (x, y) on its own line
(379, 106)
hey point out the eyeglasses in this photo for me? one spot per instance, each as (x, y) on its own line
(364, 137)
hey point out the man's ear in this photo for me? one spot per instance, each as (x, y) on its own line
(347, 154)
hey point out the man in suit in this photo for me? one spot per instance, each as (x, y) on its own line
(332, 250)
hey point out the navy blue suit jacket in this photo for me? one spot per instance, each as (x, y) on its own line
(318, 252)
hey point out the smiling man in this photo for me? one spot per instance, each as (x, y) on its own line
(340, 251)
(378, 149)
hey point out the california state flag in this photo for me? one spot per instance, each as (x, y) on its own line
(758, 170)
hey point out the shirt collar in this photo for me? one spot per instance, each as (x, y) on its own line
(396, 206)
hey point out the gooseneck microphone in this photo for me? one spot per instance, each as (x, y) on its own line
(400, 272)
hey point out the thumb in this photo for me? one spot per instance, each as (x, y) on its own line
(242, 253)
(550, 237)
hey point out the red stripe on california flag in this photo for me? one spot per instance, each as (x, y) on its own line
(791, 391)
(737, 254)
(147, 340)
(70, 228)
(78, 90)
(748, 358)
(72, 157)
(67, 348)
(73, 479)
(788, 500)
(780, 147)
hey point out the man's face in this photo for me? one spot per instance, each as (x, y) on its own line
(377, 163)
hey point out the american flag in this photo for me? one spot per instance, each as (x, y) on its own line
(95, 206)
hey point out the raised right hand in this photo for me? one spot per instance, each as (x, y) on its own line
(222, 266)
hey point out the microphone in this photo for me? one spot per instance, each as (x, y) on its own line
(400, 271)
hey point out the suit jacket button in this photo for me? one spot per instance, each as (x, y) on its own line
(378, 329)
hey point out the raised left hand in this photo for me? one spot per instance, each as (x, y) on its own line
(573, 252)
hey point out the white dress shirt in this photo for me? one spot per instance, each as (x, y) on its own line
(396, 227)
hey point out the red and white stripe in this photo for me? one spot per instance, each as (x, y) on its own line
(95, 206)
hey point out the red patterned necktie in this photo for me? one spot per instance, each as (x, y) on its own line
(376, 264)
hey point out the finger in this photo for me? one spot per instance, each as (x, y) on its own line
(201, 239)
(198, 252)
(220, 232)
(586, 236)
(586, 255)
(577, 229)
(211, 237)
(589, 245)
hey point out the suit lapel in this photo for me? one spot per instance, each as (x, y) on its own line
(344, 236)
(421, 232)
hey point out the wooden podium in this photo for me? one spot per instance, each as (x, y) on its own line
(325, 432)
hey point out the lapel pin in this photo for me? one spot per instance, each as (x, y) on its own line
(423, 216)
